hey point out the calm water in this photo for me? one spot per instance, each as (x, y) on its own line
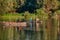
(10, 33)
(31, 35)
(20, 35)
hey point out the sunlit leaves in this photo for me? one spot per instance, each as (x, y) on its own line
(41, 14)
(7, 5)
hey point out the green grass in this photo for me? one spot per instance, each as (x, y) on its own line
(13, 17)
(9, 14)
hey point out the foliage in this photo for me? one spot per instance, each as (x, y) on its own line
(13, 17)
(28, 15)
(7, 5)
(41, 14)
(58, 12)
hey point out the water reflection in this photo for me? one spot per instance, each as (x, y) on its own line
(31, 35)
(48, 31)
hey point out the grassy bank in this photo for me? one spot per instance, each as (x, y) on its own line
(14, 17)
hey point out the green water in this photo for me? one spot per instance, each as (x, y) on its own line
(10, 33)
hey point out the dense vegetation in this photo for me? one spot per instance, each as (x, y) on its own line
(48, 11)
(28, 5)
(45, 8)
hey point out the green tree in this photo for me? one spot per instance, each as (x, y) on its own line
(11, 5)
(7, 5)
(51, 6)
(2, 7)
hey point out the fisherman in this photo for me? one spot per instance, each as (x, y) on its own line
(31, 22)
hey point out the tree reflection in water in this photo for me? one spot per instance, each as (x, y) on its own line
(31, 35)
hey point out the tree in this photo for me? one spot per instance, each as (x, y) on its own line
(29, 5)
(51, 6)
(7, 5)
(11, 5)
(2, 7)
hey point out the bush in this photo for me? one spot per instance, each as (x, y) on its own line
(41, 14)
